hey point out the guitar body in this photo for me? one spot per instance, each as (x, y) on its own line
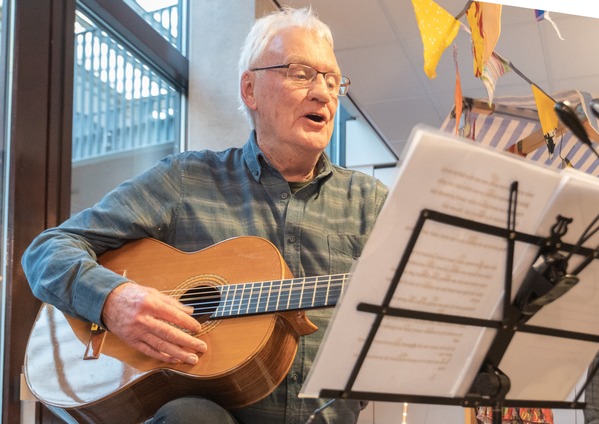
(247, 357)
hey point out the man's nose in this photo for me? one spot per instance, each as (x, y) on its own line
(319, 88)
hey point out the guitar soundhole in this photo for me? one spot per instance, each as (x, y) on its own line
(203, 299)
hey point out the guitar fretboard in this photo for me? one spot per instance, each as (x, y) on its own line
(280, 295)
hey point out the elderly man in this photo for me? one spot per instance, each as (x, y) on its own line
(279, 186)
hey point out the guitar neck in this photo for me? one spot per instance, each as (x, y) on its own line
(280, 295)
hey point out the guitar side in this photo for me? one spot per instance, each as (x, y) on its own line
(247, 357)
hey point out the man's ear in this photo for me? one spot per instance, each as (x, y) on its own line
(247, 90)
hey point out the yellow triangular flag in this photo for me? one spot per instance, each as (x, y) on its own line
(438, 29)
(545, 105)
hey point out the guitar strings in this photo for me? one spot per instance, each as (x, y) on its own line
(255, 298)
(259, 297)
(289, 282)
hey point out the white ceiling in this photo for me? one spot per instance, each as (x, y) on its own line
(379, 48)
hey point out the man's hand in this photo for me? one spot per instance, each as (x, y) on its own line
(147, 320)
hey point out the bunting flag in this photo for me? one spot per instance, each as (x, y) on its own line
(547, 116)
(438, 29)
(492, 28)
(474, 17)
(459, 98)
(543, 15)
(494, 68)
(485, 27)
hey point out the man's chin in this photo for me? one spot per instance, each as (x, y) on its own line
(316, 142)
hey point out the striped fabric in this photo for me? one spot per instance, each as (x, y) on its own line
(503, 131)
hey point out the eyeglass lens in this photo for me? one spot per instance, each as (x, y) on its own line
(303, 74)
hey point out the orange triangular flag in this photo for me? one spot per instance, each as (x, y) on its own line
(458, 96)
(438, 29)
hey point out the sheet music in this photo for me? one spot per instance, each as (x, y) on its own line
(546, 357)
(451, 270)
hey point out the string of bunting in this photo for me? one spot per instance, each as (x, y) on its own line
(438, 29)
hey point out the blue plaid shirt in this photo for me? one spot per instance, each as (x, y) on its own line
(194, 199)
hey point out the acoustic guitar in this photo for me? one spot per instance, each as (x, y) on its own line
(251, 309)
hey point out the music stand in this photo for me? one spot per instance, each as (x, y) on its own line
(483, 383)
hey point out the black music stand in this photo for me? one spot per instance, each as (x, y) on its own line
(491, 385)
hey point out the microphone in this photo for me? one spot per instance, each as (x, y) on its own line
(594, 106)
(546, 281)
(567, 115)
(548, 278)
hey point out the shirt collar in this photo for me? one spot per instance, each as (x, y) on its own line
(255, 160)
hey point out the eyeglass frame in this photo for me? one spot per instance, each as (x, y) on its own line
(344, 81)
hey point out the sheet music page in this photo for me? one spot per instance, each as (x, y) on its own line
(552, 359)
(451, 270)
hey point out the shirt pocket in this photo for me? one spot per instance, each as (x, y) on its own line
(344, 249)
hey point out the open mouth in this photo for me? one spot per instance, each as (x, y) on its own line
(315, 117)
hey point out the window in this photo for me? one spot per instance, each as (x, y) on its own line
(165, 16)
(126, 116)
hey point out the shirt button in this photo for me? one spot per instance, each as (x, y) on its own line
(284, 196)
(294, 377)
(291, 239)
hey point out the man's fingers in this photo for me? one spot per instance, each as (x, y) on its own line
(174, 335)
(160, 349)
(148, 350)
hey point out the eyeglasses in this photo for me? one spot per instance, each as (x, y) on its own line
(304, 75)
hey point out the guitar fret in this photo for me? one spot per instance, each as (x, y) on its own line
(298, 290)
(221, 305)
(242, 299)
(250, 300)
(224, 295)
(334, 293)
(268, 298)
(301, 297)
(262, 299)
(278, 295)
(233, 300)
(259, 298)
(309, 284)
(321, 293)
(288, 291)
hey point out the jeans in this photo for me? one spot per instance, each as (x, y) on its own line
(192, 410)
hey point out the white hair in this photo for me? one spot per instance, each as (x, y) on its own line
(265, 29)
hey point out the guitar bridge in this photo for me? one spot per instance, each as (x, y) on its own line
(97, 335)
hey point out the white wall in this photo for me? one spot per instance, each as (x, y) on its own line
(216, 33)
